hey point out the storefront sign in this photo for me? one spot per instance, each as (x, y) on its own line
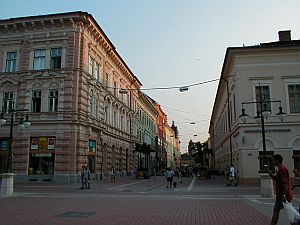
(34, 143)
(43, 143)
(41, 154)
(4, 145)
(51, 143)
(92, 145)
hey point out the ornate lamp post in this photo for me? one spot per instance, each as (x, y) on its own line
(7, 178)
(262, 114)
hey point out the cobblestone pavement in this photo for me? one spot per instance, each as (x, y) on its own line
(130, 201)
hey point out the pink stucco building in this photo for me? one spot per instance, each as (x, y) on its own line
(65, 71)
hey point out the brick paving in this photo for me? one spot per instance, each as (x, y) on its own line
(131, 201)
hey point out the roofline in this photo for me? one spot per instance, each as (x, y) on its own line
(74, 13)
(263, 46)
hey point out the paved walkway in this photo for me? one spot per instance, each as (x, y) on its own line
(130, 201)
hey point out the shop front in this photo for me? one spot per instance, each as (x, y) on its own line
(41, 159)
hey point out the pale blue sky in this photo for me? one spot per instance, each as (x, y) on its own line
(177, 42)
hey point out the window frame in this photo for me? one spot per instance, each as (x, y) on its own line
(34, 101)
(11, 63)
(6, 101)
(39, 59)
(52, 58)
(289, 98)
(53, 107)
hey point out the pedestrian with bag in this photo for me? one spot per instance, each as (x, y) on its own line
(283, 186)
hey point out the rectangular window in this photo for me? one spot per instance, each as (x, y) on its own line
(122, 123)
(106, 114)
(294, 98)
(91, 66)
(53, 100)
(115, 119)
(11, 62)
(115, 88)
(8, 100)
(97, 72)
(106, 80)
(36, 101)
(55, 61)
(263, 93)
(39, 59)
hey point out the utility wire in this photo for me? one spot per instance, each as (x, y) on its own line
(163, 88)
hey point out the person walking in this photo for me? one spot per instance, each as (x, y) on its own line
(231, 175)
(86, 175)
(112, 174)
(89, 177)
(282, 186)
(169, 176)
(81, 177)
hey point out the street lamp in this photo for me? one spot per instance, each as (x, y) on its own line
(262, 114)
(23, 124)
(7, 185)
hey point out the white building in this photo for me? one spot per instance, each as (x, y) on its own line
(270, 70)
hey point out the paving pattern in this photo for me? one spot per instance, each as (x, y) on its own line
(130, 201)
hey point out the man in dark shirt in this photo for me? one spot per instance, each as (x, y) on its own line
(283, 187)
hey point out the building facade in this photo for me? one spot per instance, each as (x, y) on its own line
(161, 144)
(269, 71)
(67, 75)
(146, 133)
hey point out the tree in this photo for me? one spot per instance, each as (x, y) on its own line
(191, 147)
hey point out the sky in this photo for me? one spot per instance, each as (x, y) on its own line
(169, 43)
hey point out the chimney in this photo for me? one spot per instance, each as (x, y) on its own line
(284, 35)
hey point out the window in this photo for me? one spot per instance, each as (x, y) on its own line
(91, 99)
(106, 114)
(122, 122)
(263, 93)
(8, 100)
(294, 98)
(97, 71)
(39, 59)
(115, 88)
(36, 101)
(91, 66)
(96, 104)
(55, 62)
(53, 100)
(106, 81)
(115, 119)
(11, 62)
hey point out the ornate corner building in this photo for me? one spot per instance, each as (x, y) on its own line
(65, 71)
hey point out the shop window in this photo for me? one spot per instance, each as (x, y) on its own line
(41, 163)
(41, 157)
